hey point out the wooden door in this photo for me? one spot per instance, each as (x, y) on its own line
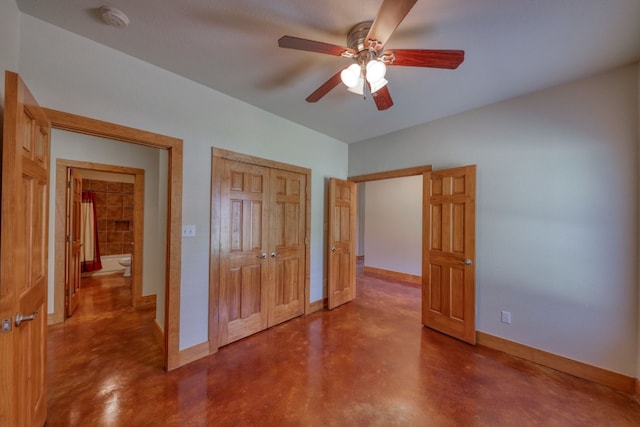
(287, 234)
(73, 242)
(23, 262)
(448, 272)
(244, 262)
(342, 242)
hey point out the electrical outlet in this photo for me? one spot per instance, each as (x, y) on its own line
(505, 317)
(188, 231)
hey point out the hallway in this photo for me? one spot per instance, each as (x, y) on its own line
(368, 363)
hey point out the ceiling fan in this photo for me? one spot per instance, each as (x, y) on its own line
(365, 43)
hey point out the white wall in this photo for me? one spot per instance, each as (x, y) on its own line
(74, 146)
(557, 212)
(393, 225)
(70, 73)
(9, 41)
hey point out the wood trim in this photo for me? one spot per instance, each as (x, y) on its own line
(60, 228)
(638, 389)
(174, 146)
(259, 161)
(315, 306)
(193, 353)
(147, 301)
(88, 126)
(52, 319)
(560, 363)
(214, 251)
(307, 244)
(158, 333)
(393, 275)
(398, 173)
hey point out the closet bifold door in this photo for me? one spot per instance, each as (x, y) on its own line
(262, 257)
(287, 245)
(244, 262)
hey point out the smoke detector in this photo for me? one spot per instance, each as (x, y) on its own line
(114, 17)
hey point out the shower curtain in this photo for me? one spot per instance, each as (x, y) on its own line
(89, 236)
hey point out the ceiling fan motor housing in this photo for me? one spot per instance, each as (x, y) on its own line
(357, 36)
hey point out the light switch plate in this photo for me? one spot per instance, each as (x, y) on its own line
(188, 231)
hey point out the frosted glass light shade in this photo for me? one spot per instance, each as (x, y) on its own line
(375, 70)
(358, 88)
(378, 84)
(350, 75)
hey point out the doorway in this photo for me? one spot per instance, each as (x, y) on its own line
(110, 173)
(173, 146)
(447, 247)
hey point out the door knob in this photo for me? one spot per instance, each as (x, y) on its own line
(274, 254)
(22, 318)
(263, 256)
(465, 262)
(333, 249)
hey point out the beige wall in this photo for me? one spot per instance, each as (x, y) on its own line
(70, 73)
(557, 211)
(393, 225)
(9, 36)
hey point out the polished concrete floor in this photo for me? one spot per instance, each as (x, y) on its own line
(368, 363)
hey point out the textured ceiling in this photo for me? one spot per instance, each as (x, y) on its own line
(512, 47)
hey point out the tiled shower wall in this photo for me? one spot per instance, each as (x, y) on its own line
(114, 210)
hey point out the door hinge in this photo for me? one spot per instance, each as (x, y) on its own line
(6, 325)
(68, 184)
(69, 238)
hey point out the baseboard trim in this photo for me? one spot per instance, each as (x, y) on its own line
(317, 305)
(393, 275)
(638, 389)
(54, 319)
(158, 333)
(145, 301)
(560, 363)
(193, 353)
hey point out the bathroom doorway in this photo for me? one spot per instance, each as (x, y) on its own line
(124, 188)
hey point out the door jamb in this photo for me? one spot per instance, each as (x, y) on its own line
(84, 125)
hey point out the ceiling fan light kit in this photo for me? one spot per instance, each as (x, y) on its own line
(351, 75)
(365, 43)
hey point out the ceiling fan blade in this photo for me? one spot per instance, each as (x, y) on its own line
(383, 99)
(390, 15)
(424, 58)
(325, 88)
(290, 42)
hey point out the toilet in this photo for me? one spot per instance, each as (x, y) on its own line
(126, 263)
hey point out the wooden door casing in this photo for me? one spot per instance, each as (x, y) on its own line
(24, 256)
(448, 301)
(73, 242)
(341, 240)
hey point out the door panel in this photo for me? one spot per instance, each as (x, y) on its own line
(24, 257)
(74, 244)
(287, 236)
(341, 239)
(448, 303)
(243, 251)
